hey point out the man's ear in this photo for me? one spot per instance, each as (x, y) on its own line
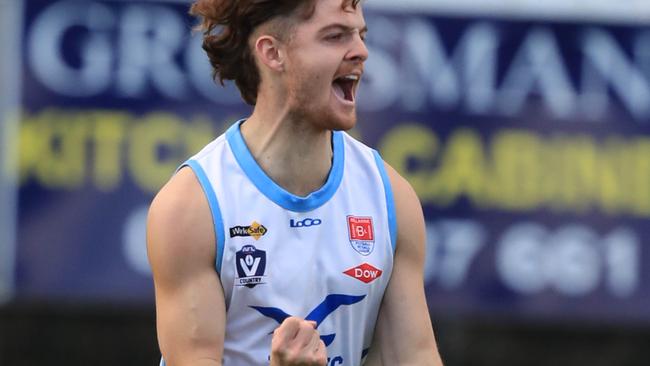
(270, 53)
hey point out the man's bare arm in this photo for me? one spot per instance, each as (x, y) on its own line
(404, 334)
(190, 305)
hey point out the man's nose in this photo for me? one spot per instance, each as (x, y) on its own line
(359, 51)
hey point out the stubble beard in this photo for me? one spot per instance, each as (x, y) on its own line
(308, 104)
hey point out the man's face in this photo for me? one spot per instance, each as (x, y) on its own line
(325, 62)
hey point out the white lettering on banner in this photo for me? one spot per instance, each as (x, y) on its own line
(150, 37)
(471, 68)
(573, 261)
(134, 241)
(198, 67)
(607, 65)
(622, 253)
(538, 68)
(452, 246)
(381, 68)
(466, 75)
(132, 50)
(516, 258)
(45, 45)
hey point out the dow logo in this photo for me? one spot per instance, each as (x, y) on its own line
(304, 223)
(365, 273)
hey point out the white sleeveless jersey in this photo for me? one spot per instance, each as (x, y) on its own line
(326, 257)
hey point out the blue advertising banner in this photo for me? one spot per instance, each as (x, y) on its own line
(10, 20)
(526, 141)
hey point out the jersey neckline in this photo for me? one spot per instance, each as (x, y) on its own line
(272, 190)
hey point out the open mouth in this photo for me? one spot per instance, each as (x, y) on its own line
(344, 87)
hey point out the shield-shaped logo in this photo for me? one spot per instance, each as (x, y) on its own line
(361, 234)
(251, 264)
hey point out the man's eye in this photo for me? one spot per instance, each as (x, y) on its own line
(335, 36)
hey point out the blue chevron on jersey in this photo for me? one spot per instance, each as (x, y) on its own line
(322, 311)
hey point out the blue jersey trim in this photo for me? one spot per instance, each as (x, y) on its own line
(214, 208)
(278, 194)
(390, 201)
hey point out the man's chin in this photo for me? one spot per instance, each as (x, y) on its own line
(346, 126)
(329, 119)
(340, 124)
(333, 122)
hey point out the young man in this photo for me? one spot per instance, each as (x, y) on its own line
(285, 241)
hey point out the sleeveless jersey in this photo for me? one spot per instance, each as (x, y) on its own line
(326, 257)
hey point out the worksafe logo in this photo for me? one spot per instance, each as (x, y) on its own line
(251, 264)
(256, 230)
(320, 312)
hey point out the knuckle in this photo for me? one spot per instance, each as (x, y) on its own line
(293, 320)
(276, 344)
(306, 326)
(277, 341)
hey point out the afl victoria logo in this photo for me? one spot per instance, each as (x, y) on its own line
(251, 264)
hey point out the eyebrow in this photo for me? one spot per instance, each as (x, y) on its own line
(342, 27)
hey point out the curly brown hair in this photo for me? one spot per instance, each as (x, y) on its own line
(227, 26)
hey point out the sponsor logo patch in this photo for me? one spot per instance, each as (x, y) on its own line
(251, 264)
(305, 223)
(364, 272)
(256, 230)
(361, 233)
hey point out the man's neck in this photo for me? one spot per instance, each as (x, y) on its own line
(295, 154)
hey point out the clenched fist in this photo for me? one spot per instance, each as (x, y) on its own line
(296, 342)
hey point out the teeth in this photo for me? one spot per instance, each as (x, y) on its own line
(349, 77)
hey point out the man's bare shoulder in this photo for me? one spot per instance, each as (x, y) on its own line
(404, 308)
(179, 226)
(190, 305)
(410, 218)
